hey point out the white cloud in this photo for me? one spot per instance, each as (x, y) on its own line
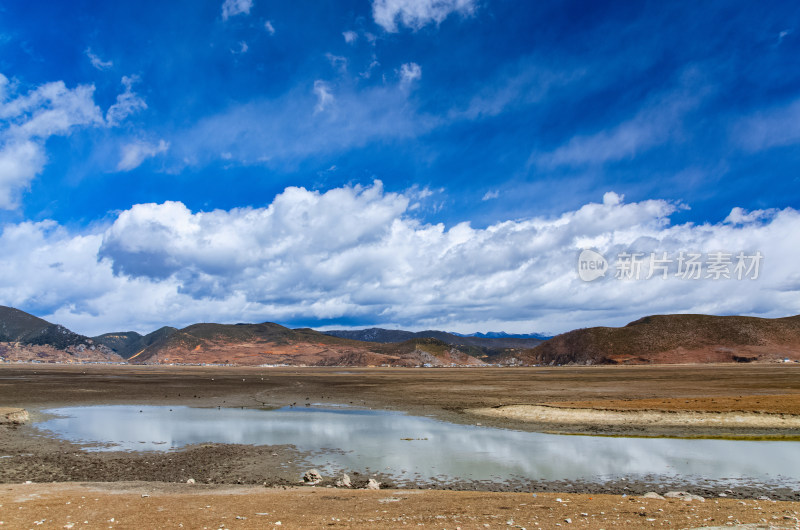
(4, 86)
(775, 127)
(350, 36)
(410, 72)
(366, 74)
(236, 7)
(325, 118)
(19, 164)
(128, 103)
(491, 194)
(359, 253)
(243, 47)
(27, 121)
(416, 14)
(136, 152)
(337, 61)
(97, 62)
(269, 27)
(659, 121)
(526, 82)
(324, 95)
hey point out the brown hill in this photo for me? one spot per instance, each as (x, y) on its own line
(663, 339)
(272, 344)
(24, 337)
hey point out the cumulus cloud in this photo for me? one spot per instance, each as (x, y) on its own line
(19, 163)
(416, 14)
(491, 194)
(236, 7)
(27, 121)
(410, 72)
(324, 95)
(269, 27)
(136, 152)
(96, 61)
(360, 254)
(128, 103)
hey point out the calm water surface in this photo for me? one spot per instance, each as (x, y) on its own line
(412, 447)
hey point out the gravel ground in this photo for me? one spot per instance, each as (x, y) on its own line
(155, 505)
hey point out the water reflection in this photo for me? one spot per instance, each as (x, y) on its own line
(423, 448)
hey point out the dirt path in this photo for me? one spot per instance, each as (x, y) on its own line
(149, 505)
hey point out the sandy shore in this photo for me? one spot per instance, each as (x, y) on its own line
(585, 417)
(155, 505)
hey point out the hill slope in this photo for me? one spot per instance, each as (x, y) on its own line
(128, 343)
(24, 337)
(675, 339)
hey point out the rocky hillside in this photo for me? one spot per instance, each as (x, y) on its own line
(24, 337)
(665, 339)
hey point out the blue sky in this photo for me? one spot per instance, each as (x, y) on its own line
(467, 112)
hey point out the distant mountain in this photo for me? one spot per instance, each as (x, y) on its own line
(28, 338)
(662, 339)
(128, 343)
(372, 334)
(500, 342)
(504, 335)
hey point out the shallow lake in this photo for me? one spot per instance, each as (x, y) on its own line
(421, 448)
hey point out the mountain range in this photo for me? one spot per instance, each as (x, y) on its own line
(658, 339)
(489, 340)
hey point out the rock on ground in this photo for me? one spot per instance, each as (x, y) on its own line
(344, 481)
(13, 416)
(312, 476)
(683, 495)
(653, 495)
